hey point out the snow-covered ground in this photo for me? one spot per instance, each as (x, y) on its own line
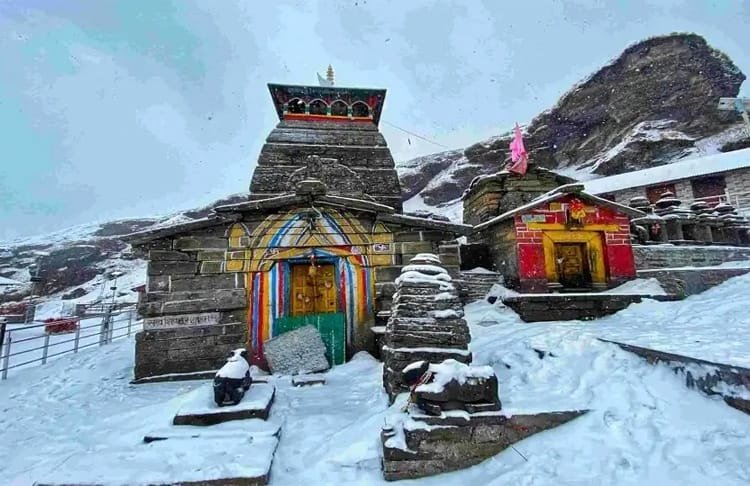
(644, 427)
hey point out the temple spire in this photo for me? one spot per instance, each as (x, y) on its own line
(329, 75)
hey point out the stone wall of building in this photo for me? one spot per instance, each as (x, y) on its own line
(671, 256)
(359, 147)
(682, 283)
(206, 270)
(738, 182)
(183, 280)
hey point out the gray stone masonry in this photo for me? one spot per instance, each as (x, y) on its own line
(426, 322)
(562, 307)
(460, 442)
(360, 148)
(475, 285)
(669, 256)
(682, 283)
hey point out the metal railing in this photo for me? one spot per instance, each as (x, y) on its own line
(25, 345)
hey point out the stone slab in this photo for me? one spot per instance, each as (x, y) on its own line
(296, 352)
(199, 408)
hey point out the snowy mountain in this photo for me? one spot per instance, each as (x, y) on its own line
(654, 104)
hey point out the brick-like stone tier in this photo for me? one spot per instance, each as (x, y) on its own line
(475, 286)
(565, 307)
(670, 256)
(684, 282)
(362, 160)
(426, 322)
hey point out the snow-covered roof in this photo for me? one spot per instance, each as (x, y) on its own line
(710, 164)
(556, 193)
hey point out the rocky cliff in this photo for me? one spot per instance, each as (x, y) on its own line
(654, 104)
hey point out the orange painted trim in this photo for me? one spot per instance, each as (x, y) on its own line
(562, 227)
(305, 116)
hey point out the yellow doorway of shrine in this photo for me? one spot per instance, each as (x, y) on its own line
(574, 258)
(313, 289)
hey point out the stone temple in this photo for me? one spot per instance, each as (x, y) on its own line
(319, 241)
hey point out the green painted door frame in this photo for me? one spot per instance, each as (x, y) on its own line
(332, 328)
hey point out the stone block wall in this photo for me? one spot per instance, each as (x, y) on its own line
(358, 146)
(183, 278)
(682, 283)
(670, 256)
(738, 182)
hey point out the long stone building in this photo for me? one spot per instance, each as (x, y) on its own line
(320, 241)
(718, 178)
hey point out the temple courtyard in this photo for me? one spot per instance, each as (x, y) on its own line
(77, 419)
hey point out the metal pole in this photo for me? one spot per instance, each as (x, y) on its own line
(46, 348)
(3, 324)
(130, 321)
(104, 329)
(77, 338)
(6, 359)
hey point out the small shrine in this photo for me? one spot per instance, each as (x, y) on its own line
(564, 240)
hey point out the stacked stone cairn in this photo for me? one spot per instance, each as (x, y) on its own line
(649, 228)
(733, 227)
(426, 322)
(678, 219)
(668, 221)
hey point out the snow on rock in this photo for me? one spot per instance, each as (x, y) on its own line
(641, 286)
(450, 370)
(445, 314)
(426, 269)
(479, 270)
(201, 400)
(236, 366)
(417, 277)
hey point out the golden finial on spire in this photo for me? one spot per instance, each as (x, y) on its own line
(329, 74)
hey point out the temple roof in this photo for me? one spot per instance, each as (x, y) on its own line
(574, 189)
(232, 213)
(283, 93)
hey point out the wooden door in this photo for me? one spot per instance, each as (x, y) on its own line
(313, 291)
(572, 264)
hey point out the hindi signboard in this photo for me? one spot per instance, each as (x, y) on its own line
(182, 320)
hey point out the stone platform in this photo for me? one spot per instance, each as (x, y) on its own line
(573, 306)
(200, 409)
(417, 445)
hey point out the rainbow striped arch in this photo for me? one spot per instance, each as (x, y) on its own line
(283, 240)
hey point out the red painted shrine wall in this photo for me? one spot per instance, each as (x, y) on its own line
(618, 253)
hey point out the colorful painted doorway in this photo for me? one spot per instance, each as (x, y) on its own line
(313, 302)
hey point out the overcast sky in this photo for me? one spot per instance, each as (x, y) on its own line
(115, 109)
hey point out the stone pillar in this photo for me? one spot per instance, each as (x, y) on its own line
(426, 322)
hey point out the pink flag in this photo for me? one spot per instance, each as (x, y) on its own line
(518, 154)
